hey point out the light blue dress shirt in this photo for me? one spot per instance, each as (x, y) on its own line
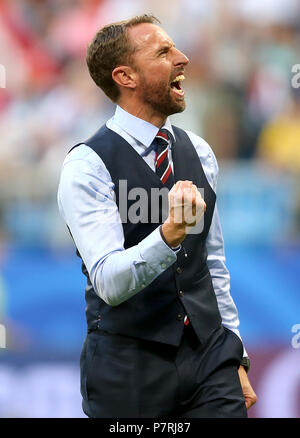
(87, 204)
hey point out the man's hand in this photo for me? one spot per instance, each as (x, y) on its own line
(186, 208)
(249, 394)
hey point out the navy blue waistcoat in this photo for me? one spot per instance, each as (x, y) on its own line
(157, 312)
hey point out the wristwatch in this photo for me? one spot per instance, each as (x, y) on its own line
(246, 363)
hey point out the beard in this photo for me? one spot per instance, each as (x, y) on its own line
(160, 97)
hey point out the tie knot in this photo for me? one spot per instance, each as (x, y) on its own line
(162, 136)
(163, 166)
(161, 141)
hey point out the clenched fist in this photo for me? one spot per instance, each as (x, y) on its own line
(186, 208)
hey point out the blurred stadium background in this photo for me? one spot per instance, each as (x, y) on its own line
(239, 98)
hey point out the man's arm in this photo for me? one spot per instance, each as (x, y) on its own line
(221, 282)
(215, 243)
(220, 276)
(216, 261)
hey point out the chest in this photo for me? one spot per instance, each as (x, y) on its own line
(141, 197)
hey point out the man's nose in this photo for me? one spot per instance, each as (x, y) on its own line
(180, 58)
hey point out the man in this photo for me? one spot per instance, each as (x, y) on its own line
(162, 327)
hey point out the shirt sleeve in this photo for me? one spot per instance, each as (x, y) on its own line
(216, 260)
(87, 205)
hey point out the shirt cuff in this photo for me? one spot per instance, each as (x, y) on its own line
(155, 251)
(176, 249)
(236, 331)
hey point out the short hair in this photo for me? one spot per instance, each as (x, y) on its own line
(111, 47)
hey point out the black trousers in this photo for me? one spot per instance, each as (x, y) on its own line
(127, 377)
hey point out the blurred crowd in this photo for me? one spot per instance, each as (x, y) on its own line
(239, 89)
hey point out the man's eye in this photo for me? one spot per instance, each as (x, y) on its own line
(163, 52)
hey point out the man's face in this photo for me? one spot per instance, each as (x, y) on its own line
(159, 67)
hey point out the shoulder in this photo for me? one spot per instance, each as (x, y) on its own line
(206, 156)
(83, 159)
(83, 172)
(83, 176)
(203, 149)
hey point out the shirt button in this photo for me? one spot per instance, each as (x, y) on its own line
(179, 270)
(163, 265)
(181, 293)
(143, 285)
(180, 317)
(169, 259)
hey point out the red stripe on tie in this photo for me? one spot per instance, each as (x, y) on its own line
(166, 175)
(186, 321)
(163, 135)
(161, 157)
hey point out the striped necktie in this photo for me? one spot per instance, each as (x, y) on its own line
(163, 168)
(162, 164)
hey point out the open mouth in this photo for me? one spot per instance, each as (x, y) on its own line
(176, 85)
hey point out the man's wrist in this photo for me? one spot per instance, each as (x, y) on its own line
(245, 362)
(174, 248)
(172, 235)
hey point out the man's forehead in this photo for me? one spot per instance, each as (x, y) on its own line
(148, 35)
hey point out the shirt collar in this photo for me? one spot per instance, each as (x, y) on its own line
(142, 131)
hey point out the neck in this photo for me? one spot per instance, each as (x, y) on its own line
(142, 111)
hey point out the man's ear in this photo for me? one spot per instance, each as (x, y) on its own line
(124, 76)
